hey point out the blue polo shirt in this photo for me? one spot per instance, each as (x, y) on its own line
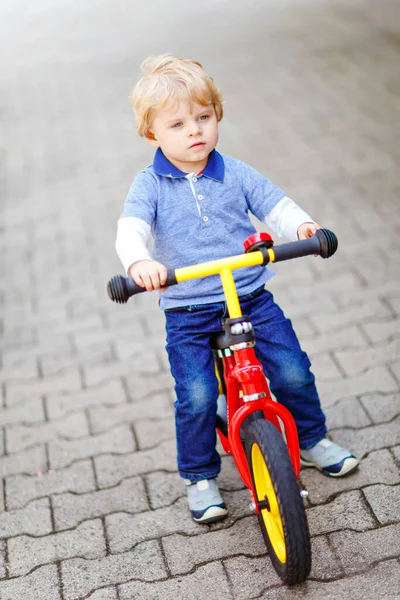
(198, 218)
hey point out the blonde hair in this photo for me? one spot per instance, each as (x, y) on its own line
(167, 79)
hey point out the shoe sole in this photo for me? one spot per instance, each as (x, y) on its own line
(214, 513)
(349, 465)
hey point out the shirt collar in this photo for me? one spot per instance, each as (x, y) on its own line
(214, 169)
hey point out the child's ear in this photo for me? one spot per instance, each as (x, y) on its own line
(151, 139)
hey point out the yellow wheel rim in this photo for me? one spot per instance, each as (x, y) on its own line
(265, 492)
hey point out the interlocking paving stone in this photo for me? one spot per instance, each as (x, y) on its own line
(2, 508)
(124, 531)
(29, 461)
(70, 509)
(325, 368)
(151, 432)
(347, 413)
(380, 581)
(145, 563)
(369, 438)
(396, 369)
(25, 368)
(30, 411)
(110, 393)
(378, 379)
(155, 406)
(347, 511)
(259, 571)
(145, 363)
(382, 330)
(360, 550)
(111, 470)
(377, 467)
(68, 381)
(183, 553)
(164, 488)
(332, 340)
(34, 519)
(52, 364)
(350, 316)
(25, 553)
(118, 440)
(2, 559)
(20, 489)
(208, 581)
(381, 407)
(357, 361)
(242, 569)
(42, 583)
(384, 501)
(104, 594)
(143, 387)
(20, 437)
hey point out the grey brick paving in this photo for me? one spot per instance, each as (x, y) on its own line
(25, 553)
(70, 509)
(206, 582)
(42, 583)
(110, 394)
(78, 478)
(34, 519)
(385, 502)
(20, 437)
(87, 453)
(118, 440)
(157, 405)
(145, 562)
(29, 461)
(359, 550)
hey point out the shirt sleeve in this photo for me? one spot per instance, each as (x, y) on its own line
(141, 201)
(260, 193)
(285, 219)
(133, 236)
(270, 204)
(134, 225)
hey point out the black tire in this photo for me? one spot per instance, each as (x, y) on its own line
(286, 522)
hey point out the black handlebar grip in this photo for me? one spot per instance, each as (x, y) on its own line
(120, 289)
(324, 243)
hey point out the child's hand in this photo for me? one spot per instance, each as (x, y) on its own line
(307, 230)
(148, 274)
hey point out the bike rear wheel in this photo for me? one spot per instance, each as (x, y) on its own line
(281, 515)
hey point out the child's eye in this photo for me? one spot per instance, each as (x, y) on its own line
(203, 117)
(177, 124)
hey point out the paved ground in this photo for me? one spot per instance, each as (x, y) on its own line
(90, 502)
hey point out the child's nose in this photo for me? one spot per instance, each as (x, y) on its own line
(194, 129)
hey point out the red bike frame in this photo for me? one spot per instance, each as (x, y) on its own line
(244, 377)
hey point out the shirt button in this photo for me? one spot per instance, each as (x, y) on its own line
(200, 197)
(194, 179)
(205, 219)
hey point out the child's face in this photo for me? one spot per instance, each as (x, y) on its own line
(186, 134)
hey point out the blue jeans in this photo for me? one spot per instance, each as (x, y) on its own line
(287, 367)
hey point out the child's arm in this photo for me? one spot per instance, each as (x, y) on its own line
(272, 207)
(132, 248)
(290, 221)
(133, 234)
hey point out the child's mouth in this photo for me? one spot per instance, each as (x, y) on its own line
(197, 145)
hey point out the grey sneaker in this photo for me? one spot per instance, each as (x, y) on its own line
(329, 458)
(205, 502)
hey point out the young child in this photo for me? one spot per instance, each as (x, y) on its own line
(195, 202)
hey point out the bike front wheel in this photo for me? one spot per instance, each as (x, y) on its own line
(282, 516)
